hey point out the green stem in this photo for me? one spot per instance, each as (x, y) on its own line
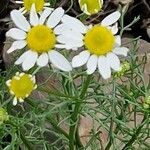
(56, 127)
(135, 135)
(77, 137)
(75, 114)
(26, 143)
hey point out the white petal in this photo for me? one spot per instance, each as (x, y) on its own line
(117, 40)
(30, 60)
(15, 101)
(22, 58)
(44, 15)
(104, 67)
(60, 46)
(19, 20)
(34, 20)
(81, 59)
(64, 46)
(74, 24)
(113, 61)
(17, 45)
(92, 64)
(64, 30)
(121, 51)
(19, 2)
(59, 61)
(42, 60)
(47, 4)
(22, 9)
(111, 19)
(70, 41)
(55, 17)
(73, 35)
(16, 34)
(114, 29)
(60, 29)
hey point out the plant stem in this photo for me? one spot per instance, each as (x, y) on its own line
(75, 114)
(57, 128)
(77, 137)
(26, 143)
(135, 135)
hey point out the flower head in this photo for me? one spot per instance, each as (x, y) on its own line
(39, 38)
(124, 67)
(100, 42)
(90, 6)
(3, 115)
(21, 86)
(39, 5)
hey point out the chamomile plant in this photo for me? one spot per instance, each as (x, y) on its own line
(78, 82)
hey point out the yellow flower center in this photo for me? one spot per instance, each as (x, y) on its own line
(41, 39)
(22, 86)
(39, 4)
(99, 40)
(92, 6)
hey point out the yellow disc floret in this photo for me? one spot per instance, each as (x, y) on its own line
(21, 85)
(99, 40)
(90, 6)
(39, 4)
(41, 39)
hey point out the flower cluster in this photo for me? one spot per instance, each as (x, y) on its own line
(46, 30)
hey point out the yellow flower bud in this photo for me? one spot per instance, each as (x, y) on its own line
(147, 100)
(90, 7)
(145, 106)
(3, 115)
(125, 66)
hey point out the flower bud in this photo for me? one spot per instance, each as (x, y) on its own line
(147, 100)
(145, 106)
(3, 115)
(90, 7)
(125, 66)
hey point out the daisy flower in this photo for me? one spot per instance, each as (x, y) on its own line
(100, 42)
(21, 86)
(39, 37)
(90, 7)
(39, 5)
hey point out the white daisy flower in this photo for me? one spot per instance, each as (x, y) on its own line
(20, 86)
(40, 5)
(39, 37)
(90, 7)
(100, 41)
